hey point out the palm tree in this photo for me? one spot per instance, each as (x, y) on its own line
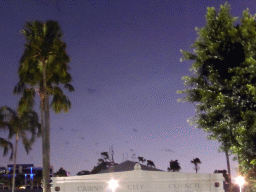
(196, 161)
(174, 166)
(43, 67)
(23, 126)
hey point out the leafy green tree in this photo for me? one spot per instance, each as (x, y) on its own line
(43, 68)
(223, 83)
(20, 126)
(196, 161)
(174, 166)
(61, 173)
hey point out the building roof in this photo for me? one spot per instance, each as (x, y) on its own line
(128, 166)
(23, 165)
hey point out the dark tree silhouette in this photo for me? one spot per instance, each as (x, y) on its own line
(20, 180)
(141, 159)
(104, 155)
(150, 163)
(4, 179)
(104, 163)
(61, 173)
(196, 161)
(38, 178)
(100, 167)
(174, 166)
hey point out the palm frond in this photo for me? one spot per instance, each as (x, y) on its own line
(26, 102)
(7, 145)
(69, 87)
(19, 88)
(26, 142)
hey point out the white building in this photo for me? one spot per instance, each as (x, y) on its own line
(132, 176)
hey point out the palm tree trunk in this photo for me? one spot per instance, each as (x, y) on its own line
(46, 133)
(15, 158)
(42, 129)
(47, 142)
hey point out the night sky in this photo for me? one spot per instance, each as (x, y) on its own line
(126, 69)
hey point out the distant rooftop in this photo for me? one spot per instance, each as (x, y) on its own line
(23, 165)
(128, 166)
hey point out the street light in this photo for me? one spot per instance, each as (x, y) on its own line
(240, 182)
(113, 184)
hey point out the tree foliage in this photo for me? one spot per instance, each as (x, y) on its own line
(5, 180)
(44, 52)
(222, 86)
(19, 125)
(174, 166)
(20, 180)
(104, 163)
(100, 167)
(142, 159)
(150, 163)
(38, 177)
(61, 173)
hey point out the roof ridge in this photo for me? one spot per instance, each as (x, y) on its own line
(128, 166)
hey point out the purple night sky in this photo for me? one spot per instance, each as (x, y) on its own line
(126, 69)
